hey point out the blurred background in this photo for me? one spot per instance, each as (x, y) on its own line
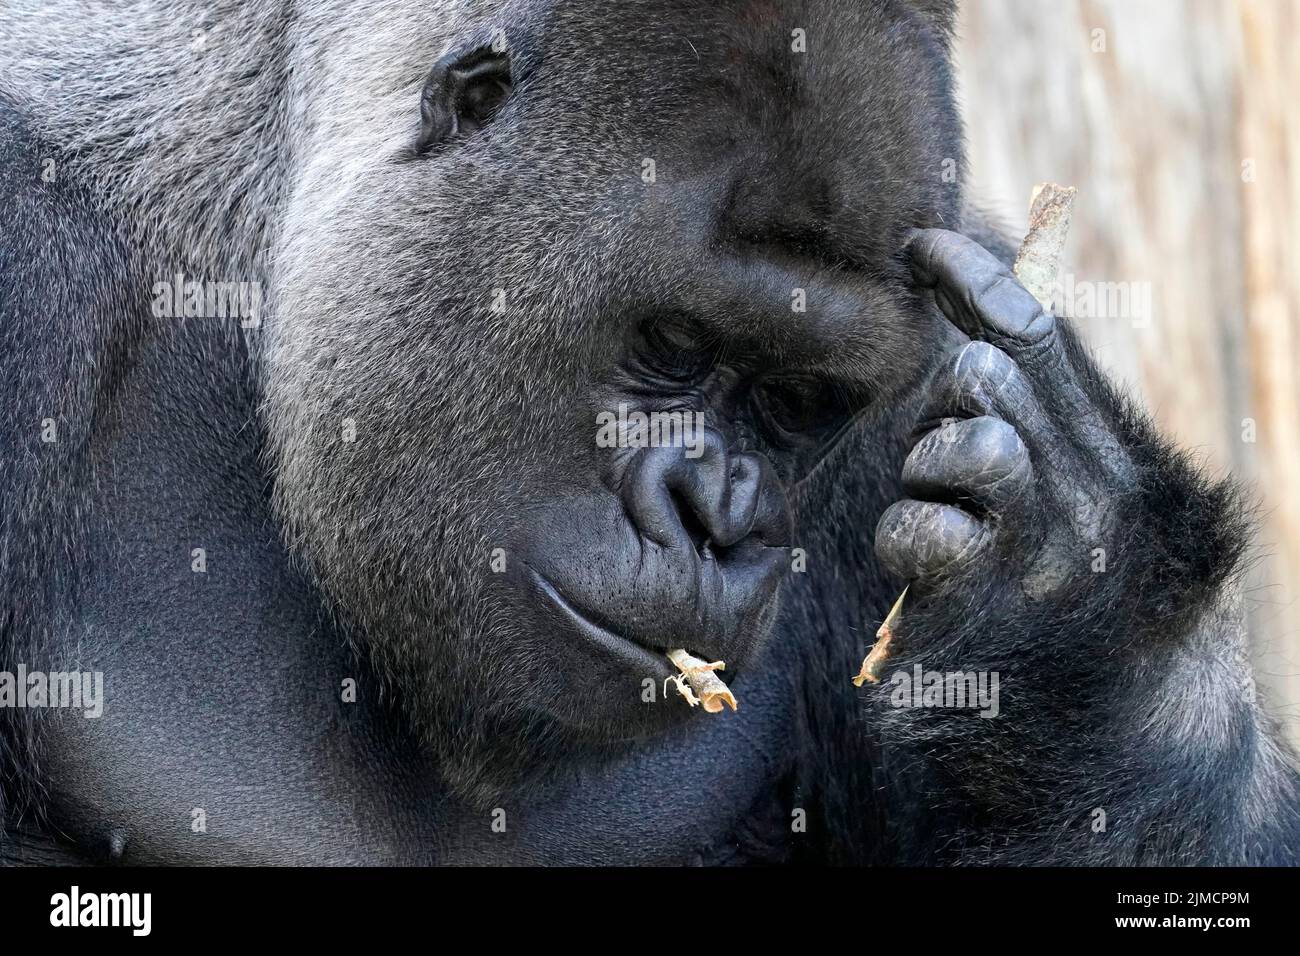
(1179, 122)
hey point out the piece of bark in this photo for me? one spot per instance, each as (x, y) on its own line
(707, 687)
(1039, 260)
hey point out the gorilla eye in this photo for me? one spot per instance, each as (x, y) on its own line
(672, 349)
(798, 410)
(462, 93)
(671, 336)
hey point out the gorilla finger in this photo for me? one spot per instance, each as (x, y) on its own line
(979, 380)
(919, 540)
(983, 298)
(980, 459)
(977, 292)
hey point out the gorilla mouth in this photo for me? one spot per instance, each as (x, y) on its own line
(632, 652)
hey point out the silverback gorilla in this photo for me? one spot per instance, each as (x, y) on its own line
(360, 581)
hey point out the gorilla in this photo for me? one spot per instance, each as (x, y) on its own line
(361, 582)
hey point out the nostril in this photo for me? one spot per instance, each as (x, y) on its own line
(741, 501)
(717, 502)
(695, 529)
(708, 504)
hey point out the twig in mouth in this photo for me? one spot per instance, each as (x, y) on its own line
(705, 686)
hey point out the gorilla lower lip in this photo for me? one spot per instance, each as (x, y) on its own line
(626, 648)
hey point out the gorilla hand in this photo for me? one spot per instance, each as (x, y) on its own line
(1066, 556)
(1018, 455)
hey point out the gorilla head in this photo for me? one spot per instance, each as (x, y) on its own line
(508, 221)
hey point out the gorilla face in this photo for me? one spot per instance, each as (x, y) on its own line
(506, 226)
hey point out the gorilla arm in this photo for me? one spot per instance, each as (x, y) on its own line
(1054, 539)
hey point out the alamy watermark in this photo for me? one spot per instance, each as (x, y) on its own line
(953, 690)
(1087, 300)
(629, 428)
(62, 690)
(133, 911)
(177, 297)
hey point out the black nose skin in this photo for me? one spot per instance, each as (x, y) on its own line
(667, 493)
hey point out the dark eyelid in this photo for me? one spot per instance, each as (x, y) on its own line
(674, 334)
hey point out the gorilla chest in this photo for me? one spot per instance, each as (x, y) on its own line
(717, 791)
(289, 775)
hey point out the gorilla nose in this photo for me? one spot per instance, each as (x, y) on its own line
(705, 497)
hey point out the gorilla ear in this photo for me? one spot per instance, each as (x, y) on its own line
(462, 93)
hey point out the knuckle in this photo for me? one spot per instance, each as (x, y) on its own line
(944, 243)
(996, 440)
(930, 247)
(1041, 329)
(999, 297)
(997, 286)
(932, 445)
(918, 538)
(976, 450)
(986, 378)
(1007, 305)
(932, 244)
(1010, 476)
(981, 365)
(893, 522)
(1040, 339)
(1000, 459)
